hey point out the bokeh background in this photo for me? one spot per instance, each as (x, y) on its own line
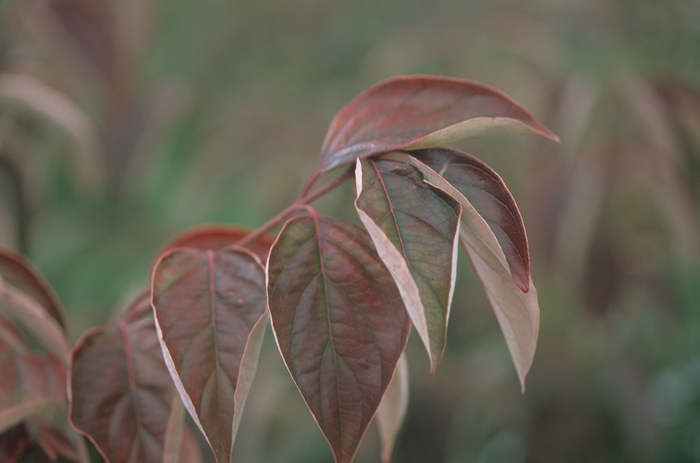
(124, 122)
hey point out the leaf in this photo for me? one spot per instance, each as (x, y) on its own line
(414, 227)
(34, 318)
(172, 441)
(210, 311)
(413, 112)
(339, 322)
(486, 191)
(517, 312)
(392, 410)
(215, 237)
(16, 270)
(30, 383)
(14, 443)
(55, 443)
(64, 113)
(121, 390)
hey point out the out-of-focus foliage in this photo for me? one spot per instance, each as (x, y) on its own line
(123, 122)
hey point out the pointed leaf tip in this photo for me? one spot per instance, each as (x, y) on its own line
(490, 197)
(210, 311)
(414, 227)
(339, 322)
(517, 310)
(412, 112)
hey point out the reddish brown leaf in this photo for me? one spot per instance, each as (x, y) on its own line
(55, 443)
(121, 391)
(34, 318)
(487, 192)
(414, 227)
(215, 237)
(210, 309)
(415, 112)
(16, 270)
(30, 383)
(339, 321)
(517, 311)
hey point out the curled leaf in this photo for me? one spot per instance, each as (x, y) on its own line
(517, 311)
(16, 270)
(413, 112)
(487, 192)
(210, 311)
(55, 106)
(414, 227)
(339, 322)
(34, 318)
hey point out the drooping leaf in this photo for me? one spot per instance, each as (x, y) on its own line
(215, 237)
(339, 321)
(487, 192)
(392, 410)
(413, 112)
(20, 273)
(517, 311)
(53, 105)
(34, 318)
(30, 383)
(414, 227)
(210, 310)
(121, 390)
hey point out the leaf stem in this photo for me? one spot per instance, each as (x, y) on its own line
(303, 199)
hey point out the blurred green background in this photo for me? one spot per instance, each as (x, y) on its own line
(123, 122)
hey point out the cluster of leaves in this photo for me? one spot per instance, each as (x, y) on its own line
(341, 298)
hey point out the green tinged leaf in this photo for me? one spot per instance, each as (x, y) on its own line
(414, 228)
(413, 112)
(210, 312)
(339, 321)
(517, 311)
(486, 191)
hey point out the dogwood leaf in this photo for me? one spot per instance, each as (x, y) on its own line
(210, 312)
(339, 322)
(414, 227)
(413, 112)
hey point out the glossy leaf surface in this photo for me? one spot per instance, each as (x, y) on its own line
(215, 237)
(414, 227)
(30, 382)
(413, 112)
(210, 309)
(517, 312)
(20, 273)
(121, 390)
(487, 192)
(339, 322)
(392, 410)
